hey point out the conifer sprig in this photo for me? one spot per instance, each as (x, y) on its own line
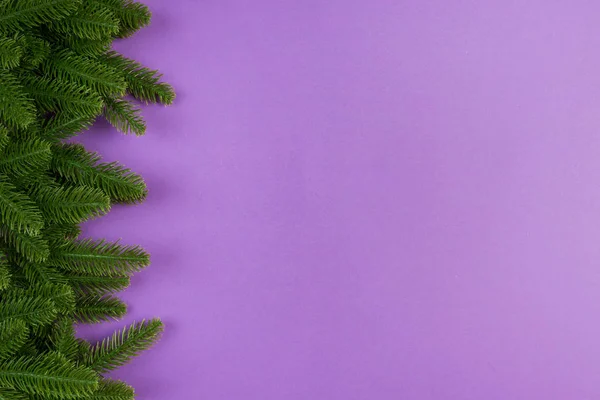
(49, 375)
(143, 83)
(57, 75)
(10, 53)
(62, 96)
(99, 257)
(71, 67)
(17, 211)
(62, 339)
(63, 125)
(4, 276)
(131, 15)
(77, 166)
(97, 284)
(124, 116)
(34, 311)
(91, 21)
(19, 15)
(20, 158)
(32, 247)
(73, 204)
(123, 345)
(13, 335)
(92, 309)
(113, 390)
(16, 106)
(40, 273)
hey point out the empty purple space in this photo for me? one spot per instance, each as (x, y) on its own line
(367, 199)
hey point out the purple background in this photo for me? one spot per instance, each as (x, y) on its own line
(360, 200)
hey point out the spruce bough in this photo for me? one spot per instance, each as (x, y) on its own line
(57, 75)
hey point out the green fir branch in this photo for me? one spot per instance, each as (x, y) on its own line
(34, 311)
(132, 15)
(10, 53)
(77, 166)
(143, 83)
(35, 48)
(13, 334)
(61, 295)
(91, 21)
(57, 75)
(17, 15)
(124, 116)
(24, 157)
(86, 47)
(73, 204)
(62, 339)
(64, 125)
(123, 345)
(57, 234)
(99, 258)
(61, 96)
(101, 285)
(40, 273)
(96, 308)
(113, 390)
(9, 394)
(17, 211)
(50, 375)
(4, 277)
(16, 106)
(3, 138)
(33, 247)
(5, 274)
(68, 66)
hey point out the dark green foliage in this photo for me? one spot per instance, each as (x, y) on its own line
(99, 258)
(71, 204)
(123, 345)
(32, 247)
(9, 394)
(66, 67)
(113, 390)
(10, 53)
(131, 15)
(17, 211)
(124, 116)
(34, 311)
(5, 277)
(86, 283)
(62, 96)
(91, 21)
(143, 83)
(71, 67)
(62, 296)
(57, 233)
(13, 334)
(3, 137)
(86, 47)
(39, 272)
(18, 15)
(57, 75)
(16, 107)
(24, 157)
(94, 308)
(4, 272)
(77, 166)
(49, 375)
(62, 339)
(36, 50)
(64, 125)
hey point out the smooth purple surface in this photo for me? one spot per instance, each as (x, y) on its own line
(367, 200)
